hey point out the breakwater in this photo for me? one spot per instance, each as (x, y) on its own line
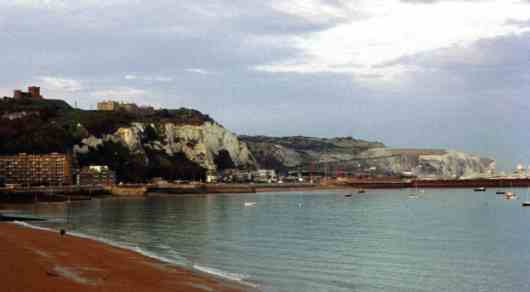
(457, 183)
(127, 191)
(177, 189)
(50, 194)
(226, 188)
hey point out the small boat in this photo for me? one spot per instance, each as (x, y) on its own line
(480, 189)
(412, 196)
(348, 195)
(510, 196)
(250, 204)
(500, 192)
(361, 191)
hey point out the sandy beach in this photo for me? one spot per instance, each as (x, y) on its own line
(39, 260)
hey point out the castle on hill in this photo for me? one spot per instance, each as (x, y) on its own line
(32, 93)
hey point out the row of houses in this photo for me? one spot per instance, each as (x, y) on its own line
(52, 169)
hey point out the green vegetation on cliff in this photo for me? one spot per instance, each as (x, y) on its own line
(44, 126)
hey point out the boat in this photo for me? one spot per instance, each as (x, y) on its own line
(250, 204)
(500, 192)
(510, 196)
(348, 195)
(361, 191)
(480, 189)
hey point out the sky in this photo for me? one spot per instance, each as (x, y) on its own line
(409, 73)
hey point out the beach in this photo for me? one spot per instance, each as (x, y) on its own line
(40, 260)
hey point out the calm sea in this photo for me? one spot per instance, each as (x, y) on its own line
(445, 240)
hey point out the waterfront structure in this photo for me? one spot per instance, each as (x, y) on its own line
(211, 177)
(31, 169)
(243, 176)
(96, 175)
(111, 105)
(236, 175)
(264, 175)
(32, 93)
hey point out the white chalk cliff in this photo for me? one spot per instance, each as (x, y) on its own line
(200, 143)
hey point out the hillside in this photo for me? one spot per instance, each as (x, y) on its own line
(285, 153)
(362, 157)
(181, 143)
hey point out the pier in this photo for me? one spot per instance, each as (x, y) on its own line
(50, 193)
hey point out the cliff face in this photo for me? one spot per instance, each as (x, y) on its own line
(359, 156)
(201, 144)
(427, 163)
(285, 153)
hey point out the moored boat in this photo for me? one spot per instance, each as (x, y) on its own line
(480, 189)
(510, 196)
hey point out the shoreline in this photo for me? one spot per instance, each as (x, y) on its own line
(33, 195)
(40, 259)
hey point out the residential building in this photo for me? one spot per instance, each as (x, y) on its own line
(211, 176)
(96, 175)
(30, 169)
(264, 175)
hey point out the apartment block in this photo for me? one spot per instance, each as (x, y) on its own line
(31, 169)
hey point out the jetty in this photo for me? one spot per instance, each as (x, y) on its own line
(21, 194)
(438, 183)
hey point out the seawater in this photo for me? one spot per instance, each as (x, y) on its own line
(445, 240)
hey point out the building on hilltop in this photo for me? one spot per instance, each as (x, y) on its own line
(30, 169)
(32, 93)
(111, 105)
(108, 105)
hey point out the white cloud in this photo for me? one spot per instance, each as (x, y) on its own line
(312, 10)
(390, 29)
(60, 84)
(120, 93)
(158, 78)
(198, 71)
(130, 77)
(62, 4)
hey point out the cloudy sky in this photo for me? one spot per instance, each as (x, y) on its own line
(410, 73)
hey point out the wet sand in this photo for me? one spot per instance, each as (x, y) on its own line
(39, 260)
